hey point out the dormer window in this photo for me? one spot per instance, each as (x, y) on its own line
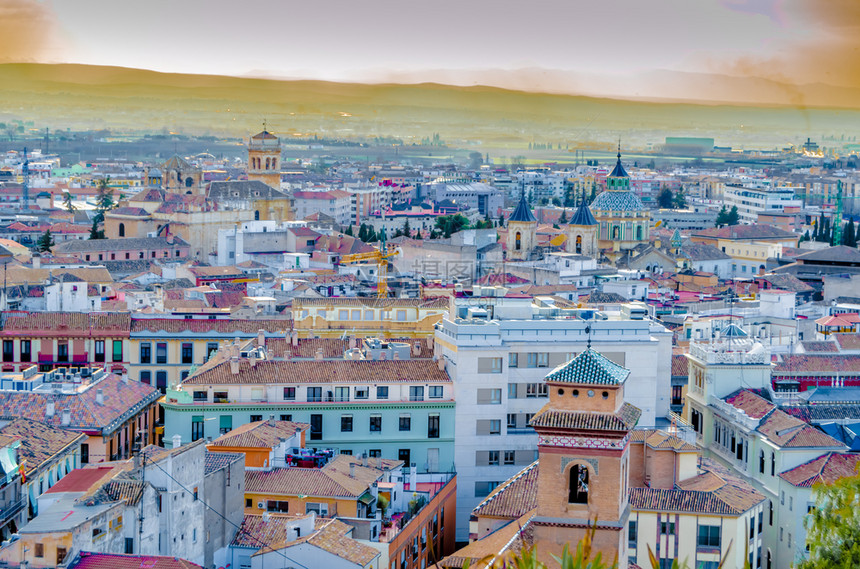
(578, 485)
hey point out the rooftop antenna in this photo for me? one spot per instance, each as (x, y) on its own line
(588, 331)
(25, 172)
(264, 124)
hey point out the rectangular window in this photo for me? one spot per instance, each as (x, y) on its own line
(282, 506)
(493, 458)
(161, 381)
(538, 359)
(536, 390)
(404, 454)
(225, 424)
(256, 418)
(405, 422)
(161, 353)
(62, 352)
(316, 427)
(382, 392)
(667, 528)
(26, 353)
(221, 396)
(374, 453)
(100, 351)
(201, 396)
(631, 531)
(146, 377)
(85, 453)
(510, 457)
(289, 394)
(489, 365)
(341, 394)
(346, 423)
(416, 393)
(488, 427)
(187, 353)
(433, 426)
(286, 417)
(512, 391)
(315, 395)
(39, 549)
(117, 350)
(196, 427)
(9, 356)
(482, 489)
(513, 359)
(362, 392)
(709, 536)
(211, 349)
(436, 391)
(376, 423)
(489, 396)
(146, 353)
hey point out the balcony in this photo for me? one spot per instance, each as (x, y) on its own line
(11, 510)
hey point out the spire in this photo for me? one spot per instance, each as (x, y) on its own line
(618, 171)
(582, 215)
(523, 212)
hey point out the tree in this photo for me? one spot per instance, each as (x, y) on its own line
(805, 237)
(734, 217)
(104, 200)
(448, 224)
(67, 202)
(849, 235)
(556, 202)
(593, 192)
(833, 526)
(563, 217)
(45, 242)
(665, 199)
(407, 231)
(501, 220)
(348, 230)
(722, 217)
(95, 232)
(680, 200)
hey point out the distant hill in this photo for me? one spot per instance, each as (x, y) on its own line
(81, 96)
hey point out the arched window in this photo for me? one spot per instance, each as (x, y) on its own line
(188, 182)
(274, 163)
(257, 215)
(638, 233)
(769, 559)
(578, 484)
(579, 244)
(761, 461)
(122, 229)
(772, 464)
(178, 177)
(519, 241)
(616, 232)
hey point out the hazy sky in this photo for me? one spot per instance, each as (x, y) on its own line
(797, 41)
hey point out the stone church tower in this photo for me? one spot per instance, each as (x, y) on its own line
(582, 233)
(264, 158)
(583, 453)
(522, 232)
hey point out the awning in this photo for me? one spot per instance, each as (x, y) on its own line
(366, 498)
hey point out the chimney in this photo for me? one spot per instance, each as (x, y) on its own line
(352, 470)
(352, 342)
(252, 358)
(261, 338)
(67, 417)
(396, 356)
(100, 396)
(234, 365)
(37, 262)
(440, 363)
(136, 459)
(364, 459)
(177, 440)
(49, 409)
(318, 354)
(416, 349)
(271, 420)
(124, 376)
(382, 356)
(294, 338)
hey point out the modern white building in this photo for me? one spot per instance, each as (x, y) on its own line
(752, 200)
(498, 349)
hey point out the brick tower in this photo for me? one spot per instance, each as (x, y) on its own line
(583, 452)
(264, 158)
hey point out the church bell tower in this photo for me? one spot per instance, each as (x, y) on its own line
(264, 158)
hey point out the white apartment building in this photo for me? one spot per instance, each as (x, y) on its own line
(498, 350)
(334, 203)
(751, 201)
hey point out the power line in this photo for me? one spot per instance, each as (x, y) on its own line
(222, 516)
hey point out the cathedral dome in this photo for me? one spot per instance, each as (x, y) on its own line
(617, 201)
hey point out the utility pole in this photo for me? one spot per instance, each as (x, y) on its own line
(25, 172)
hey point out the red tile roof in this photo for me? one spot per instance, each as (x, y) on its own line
(259, 434)
(40, 443)
(625, 419)
(49, 323)
(754, 406)
(200, 326)
(825, 469)
(116, 561)
(825, 363)
(297, 481)
(512, 498)
(847, 341)
(326, 371)
(787, 431)
(680, 365)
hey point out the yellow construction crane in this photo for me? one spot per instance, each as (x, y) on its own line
(380, 258)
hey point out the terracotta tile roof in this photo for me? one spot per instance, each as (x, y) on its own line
(512, 498)
(480, 553)
(625, 419)
(333, 537)
(121, 400)
(259, 434)
(819, 346)
(589, 367)
(787, 431)
(663, 440)
(427, 303)
(825, 469)
(680, 365)
(296, 481)
(758, 231)
(326, 371)
(48, 323)
(375, 469)
(24, 275)
(215, 461)
(754, 406)
(847, 341)
(119, 489)
(116, 561)
(714, 493)
(817, 413)
(201, 326)
(333, 347)
(40, 443)
(805, 364)
(257, 531)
